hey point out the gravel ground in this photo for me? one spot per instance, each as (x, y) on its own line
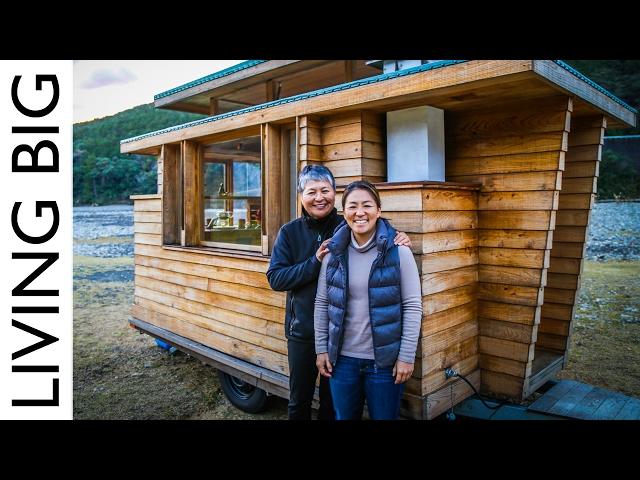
(105, 232)
(614, 231)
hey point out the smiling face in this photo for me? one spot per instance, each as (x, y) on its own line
(318, 198)
(361, 213)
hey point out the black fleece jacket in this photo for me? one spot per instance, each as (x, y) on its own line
(294, 268)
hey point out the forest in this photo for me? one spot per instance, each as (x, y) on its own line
(102, 175)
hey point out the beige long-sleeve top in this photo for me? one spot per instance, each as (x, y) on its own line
(358, 342)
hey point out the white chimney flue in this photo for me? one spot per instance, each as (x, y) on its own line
(415, 144)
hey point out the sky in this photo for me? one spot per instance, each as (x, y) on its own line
(106, 87)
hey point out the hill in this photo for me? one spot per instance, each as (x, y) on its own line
(101, 174)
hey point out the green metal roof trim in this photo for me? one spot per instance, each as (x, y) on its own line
(208, 78)
(624, 137)
(572, 70)
(349, 85)
(303, 96)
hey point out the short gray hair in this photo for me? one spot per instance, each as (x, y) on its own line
(316, 173)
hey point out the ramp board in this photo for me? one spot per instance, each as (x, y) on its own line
(572, 399)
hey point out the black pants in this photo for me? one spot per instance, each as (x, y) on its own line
(302, 383)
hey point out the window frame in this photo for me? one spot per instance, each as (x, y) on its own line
(228, 167)
(189, 165)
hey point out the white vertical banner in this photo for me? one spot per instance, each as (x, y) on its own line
(36, 277)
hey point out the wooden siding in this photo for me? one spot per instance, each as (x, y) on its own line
(351, 145)
(220, 301)
(579, 186)
(225, 302)
(518, 155)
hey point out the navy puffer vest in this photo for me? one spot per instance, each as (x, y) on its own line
(385, 300)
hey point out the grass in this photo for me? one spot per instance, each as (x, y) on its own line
(121, 374)
(604, 349)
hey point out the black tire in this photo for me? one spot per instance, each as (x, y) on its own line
(243, 395)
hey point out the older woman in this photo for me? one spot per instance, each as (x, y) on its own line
(295, 265)
(368, 311)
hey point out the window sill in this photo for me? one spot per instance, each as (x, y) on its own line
(221, 252)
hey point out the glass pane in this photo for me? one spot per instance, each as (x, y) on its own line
(233, 192)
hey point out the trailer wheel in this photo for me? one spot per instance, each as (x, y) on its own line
(241, 394)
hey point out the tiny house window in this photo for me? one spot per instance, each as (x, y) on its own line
(231, 204)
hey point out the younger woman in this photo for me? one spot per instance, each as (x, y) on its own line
(368, 311)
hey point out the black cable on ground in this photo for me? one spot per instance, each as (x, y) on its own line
(480, 396)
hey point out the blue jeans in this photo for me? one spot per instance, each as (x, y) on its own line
(354, 379)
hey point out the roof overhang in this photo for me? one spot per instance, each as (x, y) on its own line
(194, 96)
(451, 85)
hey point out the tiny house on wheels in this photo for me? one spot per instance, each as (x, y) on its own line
(491, 168)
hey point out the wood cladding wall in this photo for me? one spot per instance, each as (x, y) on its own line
(517, 154)
(351, 145)
(225, 302)
(579, 187)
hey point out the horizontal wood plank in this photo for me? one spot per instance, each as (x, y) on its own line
(440, 261)
(433, 221)
(440, 341)
(539, 116)
(549, 341)
(502, 238)
(148, 205)
(507, 164)
(559, 295)
(513, 182)
(542, 200)
(451, 355)
(497, 292)
(565, 233)
(200, 257)
(565, 265)
(581, 169)
(517, 219)
(436, 322)
(253, 279)
(225, 301)
(501, 384)
(443, 241)
(580, 185)
(439, 281)
(514, 257)
(521, 352)
(147, 238)
(557, 311)
(503, 365)
(509, 145)
(516, 332)
(554, 326)
(243, 350)
(506, 312)
(588, 153)
(568, 249)
(562, 280)
(447, 299)
(576, 201)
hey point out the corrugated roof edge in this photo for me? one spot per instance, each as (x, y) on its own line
(357, 83)
(302, 96)
(575, 72)
(208, 78)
